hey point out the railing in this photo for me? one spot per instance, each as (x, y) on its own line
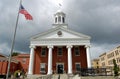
(92, 71)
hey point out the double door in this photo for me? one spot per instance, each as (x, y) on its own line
(60, 68)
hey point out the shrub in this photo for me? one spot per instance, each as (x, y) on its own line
(116, 68)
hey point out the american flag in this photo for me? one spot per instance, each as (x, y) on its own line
(26, 14)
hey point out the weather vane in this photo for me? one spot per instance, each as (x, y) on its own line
(60, 5)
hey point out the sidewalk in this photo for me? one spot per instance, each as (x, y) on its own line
(98, 77)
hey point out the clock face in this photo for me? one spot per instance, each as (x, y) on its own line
(59, 33)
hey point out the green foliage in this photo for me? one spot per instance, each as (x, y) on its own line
(15, 53)
(19, 73)
(16, 73)
(116, 68)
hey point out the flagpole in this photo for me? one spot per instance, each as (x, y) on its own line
(13, 42)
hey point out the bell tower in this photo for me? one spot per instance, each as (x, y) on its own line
(59, 19)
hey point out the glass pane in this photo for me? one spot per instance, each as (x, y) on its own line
(77, 52)
(43, 53)
(77, 67)
(59, 51)
(59, 19)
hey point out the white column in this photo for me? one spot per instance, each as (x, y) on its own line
(61, 19)
(57, 20)
(50, 60)
(31, 61)
(69, 59)
(88, 56)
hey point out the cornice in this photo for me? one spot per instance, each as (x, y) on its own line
(61, 42)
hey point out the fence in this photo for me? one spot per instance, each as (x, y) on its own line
(92, 72)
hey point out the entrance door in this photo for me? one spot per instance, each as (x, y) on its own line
(60, 68)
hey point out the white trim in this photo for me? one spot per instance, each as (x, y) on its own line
(60, 42)
(62, 29)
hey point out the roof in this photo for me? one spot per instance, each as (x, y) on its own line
(54, 30)
(1, 55)
(22, 56)
(60, 36)
(7, 59)
(102, 54)
(95, 59)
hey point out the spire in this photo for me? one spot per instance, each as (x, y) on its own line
(59, 19)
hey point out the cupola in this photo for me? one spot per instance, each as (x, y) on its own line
(59, 19)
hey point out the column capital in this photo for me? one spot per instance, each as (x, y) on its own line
(69, 46)
(32, 46)
(87, 46)
(50, 46)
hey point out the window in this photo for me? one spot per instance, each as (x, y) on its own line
(96, 62)
(59, 19)
(77, 52)
(24, 60)
(116, 52)
(77, 66)
(56, 20)
(97, 66)
(43, 51)
(42, 68)
(118, 59)
(102, 59)
(103, 64)
(63, 19)
(59, 51)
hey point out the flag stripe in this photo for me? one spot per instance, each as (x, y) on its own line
(25, 13)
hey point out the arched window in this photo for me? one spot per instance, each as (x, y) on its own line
(56, 20)
(59, 19)
(63, 19)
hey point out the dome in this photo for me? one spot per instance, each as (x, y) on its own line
(60, 12)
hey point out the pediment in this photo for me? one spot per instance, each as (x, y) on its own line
(60, 33)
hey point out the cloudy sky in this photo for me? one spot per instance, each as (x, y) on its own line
(99, 19)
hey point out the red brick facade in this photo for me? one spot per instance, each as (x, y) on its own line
(4, 66)
(20, 62)
(23, 61)
(82, 59)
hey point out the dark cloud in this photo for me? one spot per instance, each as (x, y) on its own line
(97, 18)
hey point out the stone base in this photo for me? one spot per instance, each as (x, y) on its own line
(33, 76)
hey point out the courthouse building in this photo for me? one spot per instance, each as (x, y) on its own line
(59, 50)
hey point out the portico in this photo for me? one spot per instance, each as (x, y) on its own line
(50, 59)
(59, 50)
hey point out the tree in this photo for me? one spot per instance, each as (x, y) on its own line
(116, 68)
(15, 54)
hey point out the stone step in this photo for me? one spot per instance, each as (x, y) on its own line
(98, 77)
(55, 76)
(60, 76)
